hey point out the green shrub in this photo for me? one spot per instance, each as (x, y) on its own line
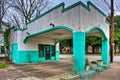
(2, 65)
(93, 62)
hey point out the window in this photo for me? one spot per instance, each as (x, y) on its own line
(41, 50)
(2, 49)
(53, 50)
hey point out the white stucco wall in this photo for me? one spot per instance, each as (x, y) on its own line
(77, 18)
(91, 19)
(13, 36)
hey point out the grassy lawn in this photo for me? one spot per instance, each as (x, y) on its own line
(2, 65)
(117, 54)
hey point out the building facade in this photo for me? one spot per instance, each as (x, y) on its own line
(39, 42)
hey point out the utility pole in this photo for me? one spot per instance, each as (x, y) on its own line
(112, 32)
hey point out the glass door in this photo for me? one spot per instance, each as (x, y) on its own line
(47, 51)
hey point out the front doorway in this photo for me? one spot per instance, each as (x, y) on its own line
(47, 51)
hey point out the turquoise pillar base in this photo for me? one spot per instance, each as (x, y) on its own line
(79, 51)
(57, 55)
(14, 52)
(105, 51)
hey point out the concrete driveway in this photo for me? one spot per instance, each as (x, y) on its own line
(46, 70)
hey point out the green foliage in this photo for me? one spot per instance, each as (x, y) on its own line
(117, 37)
(93, 62)
(117, 30)
(117, 54)
(6, 38)
(93, 40)
(117, 23)
(2, 65)
(67, 43)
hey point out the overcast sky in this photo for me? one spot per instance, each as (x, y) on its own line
(104, 5)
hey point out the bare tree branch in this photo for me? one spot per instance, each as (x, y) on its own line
(28, 8)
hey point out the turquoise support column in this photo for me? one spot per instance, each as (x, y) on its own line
(57, 51)
(14, 52)
(79, 51)
(105, 51)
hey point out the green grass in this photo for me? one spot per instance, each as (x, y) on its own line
(2, 65)
(117, 54)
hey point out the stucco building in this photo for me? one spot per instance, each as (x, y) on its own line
(39, 42)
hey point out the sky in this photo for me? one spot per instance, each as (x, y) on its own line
(104, 5)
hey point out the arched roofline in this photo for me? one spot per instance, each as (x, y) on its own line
(47, 30)
(96, 28)
(87, 7)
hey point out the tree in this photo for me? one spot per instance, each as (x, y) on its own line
(6, 41)
(117, 32)
(25, 10)
(66, 43)
(93, 41)
(2, 11)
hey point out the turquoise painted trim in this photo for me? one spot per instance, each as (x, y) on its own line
(20, 29)
(14, 52)
(12, 27)
(79, 51)
(29, 57)
(57, 57)
(68, 8)
(107, 22)
(48, 30)
(59, 5)
(105, 51)
(23, 57)
(97, 28)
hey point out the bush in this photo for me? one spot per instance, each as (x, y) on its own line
(2, 65)
(93, 62)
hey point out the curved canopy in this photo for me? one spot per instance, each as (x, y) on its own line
(96, 31)
(51, 35)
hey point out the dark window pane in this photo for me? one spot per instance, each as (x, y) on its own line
(53, 50)
(41, 50)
